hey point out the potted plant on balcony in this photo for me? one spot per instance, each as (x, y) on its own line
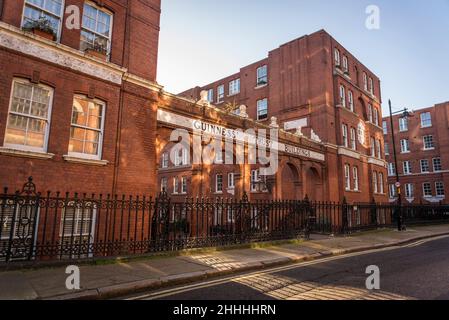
(41, 27)
(98, 50)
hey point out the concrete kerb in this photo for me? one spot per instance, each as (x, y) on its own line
(145, 285)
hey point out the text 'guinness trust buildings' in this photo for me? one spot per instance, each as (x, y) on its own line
(81, 111)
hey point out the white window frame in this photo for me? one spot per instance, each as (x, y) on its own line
(234, 87)
(351, 100)
(347, 177)
(219, 156)
(355, 177)
(387, 148)
(392, 191)
(376, 116)
(373, 147)
(78, 212)
(426, 122)
(424, 163)
(370, 113)
(345, 63)
(405, 146)
(353, 139)
(175, 185)
(379, 149)
(184, 185)
(99, 155)
(403, 124)
(344, 129)
(165, 160)
(440, 164)
(337, 57)
(343, 96)
(391, 169)
(48, 120)
(111, 24)
(365, 81)
(210, 95)
(385, 127)
(381, 182)
(371, 86)
(218, 190)
(424, 143)
(253, 180)
(409, 190)
(36, 7)
(375, 186)
(439, 186)
(407, 167)
(220, 93)
(231, 180)
(164, 184)
(259, 102)
(262, 76)
(424, 185)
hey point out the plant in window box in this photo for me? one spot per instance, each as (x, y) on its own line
(41, 27)
(98, 50)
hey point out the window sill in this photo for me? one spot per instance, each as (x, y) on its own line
(25, 154)
(260, 86)
(428, 149)
(233, 94)
(100, 163)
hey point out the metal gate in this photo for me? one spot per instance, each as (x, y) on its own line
(19, 216)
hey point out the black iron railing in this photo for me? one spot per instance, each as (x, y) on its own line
(37, 227)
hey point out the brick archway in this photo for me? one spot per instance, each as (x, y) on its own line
(314, 184)
(288, 181)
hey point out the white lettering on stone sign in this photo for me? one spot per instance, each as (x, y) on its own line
(238, 135)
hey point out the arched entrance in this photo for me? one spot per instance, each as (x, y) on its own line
(290, 184)
(314, 185)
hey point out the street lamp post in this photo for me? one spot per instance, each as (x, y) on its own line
(406, 114)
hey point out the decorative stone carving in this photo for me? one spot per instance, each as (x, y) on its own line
(242, 111)
(299, 132)
(274, 123)
(314, 136)
(204, 99)
(56, 54)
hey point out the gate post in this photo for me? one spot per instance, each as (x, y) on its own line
(344, 212)
(310, 217)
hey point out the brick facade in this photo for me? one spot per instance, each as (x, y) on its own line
(304, 79)
(124, 83)
(431, 122)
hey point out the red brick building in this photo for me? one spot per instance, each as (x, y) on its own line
(422, 148)
(314, 83)
(78, 105)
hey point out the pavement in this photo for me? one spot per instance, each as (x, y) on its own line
(114, 280)
(416, 271)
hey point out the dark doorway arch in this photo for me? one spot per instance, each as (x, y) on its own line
(314, 185)
(290, 184)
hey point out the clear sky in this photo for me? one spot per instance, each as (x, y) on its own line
(204, 40)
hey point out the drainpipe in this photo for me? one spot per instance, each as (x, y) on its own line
(125, 57)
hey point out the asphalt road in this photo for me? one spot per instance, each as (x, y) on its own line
(417, 271)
